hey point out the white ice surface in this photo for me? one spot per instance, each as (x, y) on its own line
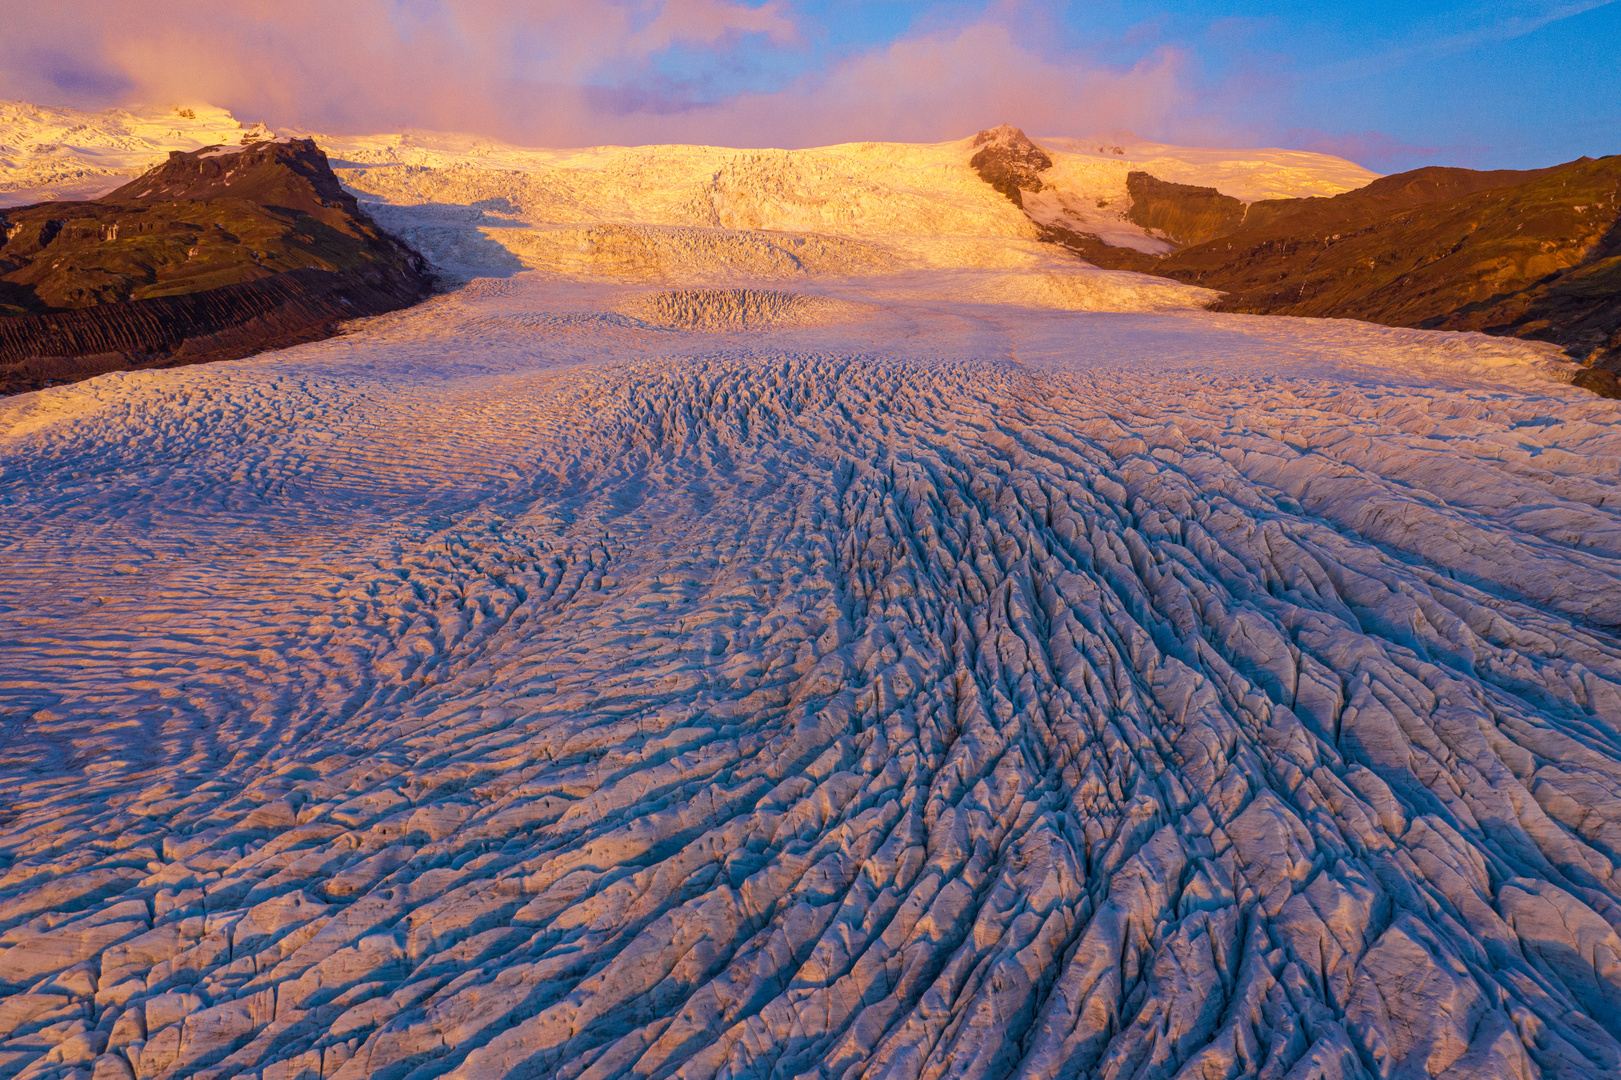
(779, 619)
(859, 680)
(654, 211)
(911, 205)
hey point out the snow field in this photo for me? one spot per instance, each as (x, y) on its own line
(684, 213)
(51, 153)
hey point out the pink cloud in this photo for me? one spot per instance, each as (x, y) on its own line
(566, 73)
(943, 86)
(707, 22)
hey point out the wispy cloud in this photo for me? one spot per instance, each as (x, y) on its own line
(1490, 24)
(564, 72)
(941, 86)
(365, 61)
(795, 72)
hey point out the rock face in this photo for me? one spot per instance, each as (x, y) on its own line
(1006, 159)
(1182, 213)
(216, 253)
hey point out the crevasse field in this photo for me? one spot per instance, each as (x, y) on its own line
(777, 619)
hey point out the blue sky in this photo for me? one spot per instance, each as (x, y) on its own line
(1519, 83)
(1485, 84)
(1488, 84)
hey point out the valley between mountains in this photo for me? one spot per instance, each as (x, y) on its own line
(849, 638)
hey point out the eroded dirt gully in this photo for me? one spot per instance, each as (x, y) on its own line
(748, 709)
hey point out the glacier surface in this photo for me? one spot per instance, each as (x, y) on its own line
(753, 634)
(858, 686)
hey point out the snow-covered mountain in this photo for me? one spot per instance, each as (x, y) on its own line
(906, 205)
(676, 212)
(1250, 175)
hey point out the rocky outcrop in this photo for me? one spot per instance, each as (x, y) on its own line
(1006, 159)
(1533, 255)
(1099, 252)
(1181, 213)
(229, 322)
(215, 254)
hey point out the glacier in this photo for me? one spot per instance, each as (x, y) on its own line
(682, 651)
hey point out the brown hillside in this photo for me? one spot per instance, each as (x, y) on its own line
(1534, 254)
(261, 241)
(1450, 263)
(1181, 213)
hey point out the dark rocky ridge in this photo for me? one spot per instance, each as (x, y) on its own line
(1006, 159)
(215, 254)
(1181, 213)
(1533, 254)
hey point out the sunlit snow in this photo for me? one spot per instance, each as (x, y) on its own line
(51, 153)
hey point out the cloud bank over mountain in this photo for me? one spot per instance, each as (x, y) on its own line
(1461, 82)
(573, 73)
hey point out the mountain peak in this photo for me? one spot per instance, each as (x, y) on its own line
(1009, 162)
(293, 173)
(1003, 134)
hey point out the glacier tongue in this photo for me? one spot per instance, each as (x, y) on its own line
(518, 686)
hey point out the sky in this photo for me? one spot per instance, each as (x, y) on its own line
(1504, 84)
